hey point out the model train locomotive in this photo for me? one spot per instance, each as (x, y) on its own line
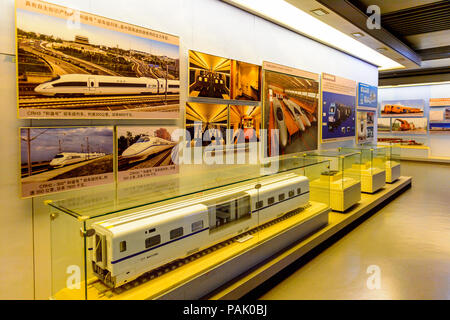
(85, 84)
(127, 247)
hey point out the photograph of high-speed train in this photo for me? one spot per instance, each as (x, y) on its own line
(93, 71)
(402, 108)
(126, 247)
(143, 147)
(52, 159)
(290, 112)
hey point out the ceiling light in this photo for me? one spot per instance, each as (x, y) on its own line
(319, 12)
(293, 18)
(382, 49)
(357, 34)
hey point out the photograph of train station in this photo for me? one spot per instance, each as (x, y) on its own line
(209, 76)
(84, 66)
(141, 149)
(402, 108)
(206, 124)
(291, 107)
(61, 159)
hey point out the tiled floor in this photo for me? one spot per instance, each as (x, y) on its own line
(407, 242)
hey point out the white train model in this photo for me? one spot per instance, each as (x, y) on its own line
(85, 84)
(144, 147)
(65, 158)
(126, 247)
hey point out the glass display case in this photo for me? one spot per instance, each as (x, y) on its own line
(393, 154)
(372, 167)
(344, 184)
(140, 241)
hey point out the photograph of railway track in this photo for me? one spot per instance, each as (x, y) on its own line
(74, 65)
(146, 151)
(291, 107)
(206, 124)
(402, 108)
(209, 76)
(62, 159)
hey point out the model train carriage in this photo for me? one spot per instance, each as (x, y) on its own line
(131, 247)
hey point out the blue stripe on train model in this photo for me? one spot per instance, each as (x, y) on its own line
(158, 246)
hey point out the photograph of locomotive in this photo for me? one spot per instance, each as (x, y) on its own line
(59, 156)
(132, 245)
(142, 147)
(338, 118)
(291, 107)
(409, 125)
(97, 68)
(402, 108)
(209, 76)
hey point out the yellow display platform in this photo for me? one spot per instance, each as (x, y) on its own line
(207, 272)
(344, 192)
(337, 221)
(372, 178)
(392, 171)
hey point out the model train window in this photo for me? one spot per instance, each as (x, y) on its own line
(176, 233)
(123, 246)
(291, 193)
(197, 226)
(229, 210)
(281, 197)
(70, 84)
(174, 85)
(152, 241)
(259, 204)
(271, 200)
(123, 85)
(299, 190)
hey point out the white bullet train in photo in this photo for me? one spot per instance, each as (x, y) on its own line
(146, 146)
(296, 113)
(126, 247)
(279, 118)
(85, 84)
(65, 158)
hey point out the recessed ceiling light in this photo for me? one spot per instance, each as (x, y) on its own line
(357, 34)
(319, 12)
(382, 49)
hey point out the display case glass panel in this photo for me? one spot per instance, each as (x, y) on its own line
(143, 240)
(344, 182)
(372, 167)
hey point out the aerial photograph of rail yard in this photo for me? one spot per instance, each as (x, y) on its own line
(60, 159)
(99, 69)
(143, 147)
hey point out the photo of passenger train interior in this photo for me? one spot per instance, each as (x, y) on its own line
(246, 81)
(206, 124)
(209, 76)
(246, 123)
(291, 106)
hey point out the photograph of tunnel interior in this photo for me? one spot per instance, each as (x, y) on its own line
(206, 123)
(290, 106)
(246, 123)
(246, 81)
(209, 76)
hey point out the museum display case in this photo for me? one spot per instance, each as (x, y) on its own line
(144, 240)
(345, 186)
(372, 167)
(393, 154)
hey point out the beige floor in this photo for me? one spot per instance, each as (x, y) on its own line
(408, 241)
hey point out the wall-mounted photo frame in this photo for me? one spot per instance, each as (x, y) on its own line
(402, 108)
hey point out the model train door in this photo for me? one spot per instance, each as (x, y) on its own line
(92, 83)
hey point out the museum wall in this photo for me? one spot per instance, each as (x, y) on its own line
(439, 143)
(208, 26)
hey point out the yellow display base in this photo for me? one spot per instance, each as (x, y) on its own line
(337, 222)
(163, 284)
(372, 178)
(392, 171)
(343, 193)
